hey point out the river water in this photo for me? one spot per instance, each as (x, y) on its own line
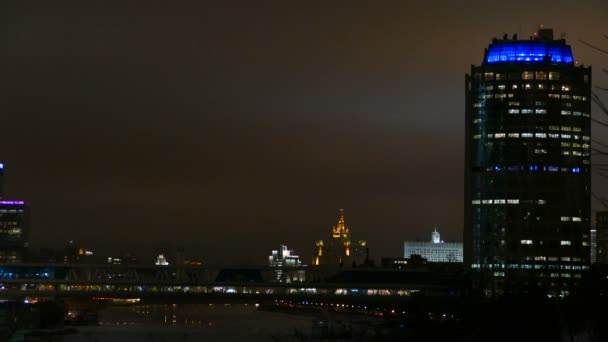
(193, 322)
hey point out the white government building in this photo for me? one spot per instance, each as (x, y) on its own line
(434, 251)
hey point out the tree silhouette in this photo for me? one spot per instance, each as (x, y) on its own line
(599, 149)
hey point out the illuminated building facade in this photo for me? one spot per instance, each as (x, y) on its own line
(341, 250)
(527, 167)
(434, 251)
(14, 239)
(73, 254)
(285, 263)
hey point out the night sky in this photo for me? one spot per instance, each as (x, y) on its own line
(230, 127)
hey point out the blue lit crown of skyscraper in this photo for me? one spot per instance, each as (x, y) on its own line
(540, 48)
(527, 166)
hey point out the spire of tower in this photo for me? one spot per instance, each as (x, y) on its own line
(340, 230)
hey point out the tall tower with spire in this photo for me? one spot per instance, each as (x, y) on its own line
(340, 251)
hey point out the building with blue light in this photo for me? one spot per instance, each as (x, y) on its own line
(14, 239)
(1, 180)
(527, 167)
(14, 232)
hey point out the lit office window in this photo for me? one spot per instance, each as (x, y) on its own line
(527, 75)
(526, 242)
(565, 243)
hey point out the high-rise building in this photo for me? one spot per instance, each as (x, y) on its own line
(527, 167)
(434, 251)
(14, 230)
(593, 237)
(1, 180)
(341, 250)
(14, 239)
(601, 228)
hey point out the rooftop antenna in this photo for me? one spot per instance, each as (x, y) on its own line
(518, 29)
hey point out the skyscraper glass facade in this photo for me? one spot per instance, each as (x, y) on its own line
(527, 167)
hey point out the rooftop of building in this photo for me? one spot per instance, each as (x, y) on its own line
(540, 47)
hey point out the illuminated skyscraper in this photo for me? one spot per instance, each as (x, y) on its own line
(14, 239)
(341, 251)
(1, 180)
(527, 167)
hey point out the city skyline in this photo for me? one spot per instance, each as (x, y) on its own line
(225, 126)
